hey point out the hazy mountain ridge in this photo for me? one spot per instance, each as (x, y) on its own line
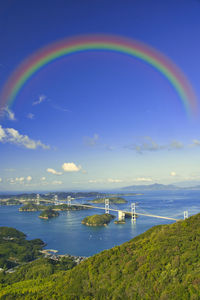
(158, 187)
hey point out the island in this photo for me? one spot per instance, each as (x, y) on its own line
(59, 207)
(120, 222)
(10, 202)
(98, 220)
(48, 214)
(116, 200)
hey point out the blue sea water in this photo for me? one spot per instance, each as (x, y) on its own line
(67, 235)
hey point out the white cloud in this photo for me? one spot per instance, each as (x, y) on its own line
(12, 136)
(93, 181)
(5, 111)
(175, 145)
(71, 167)
(195, 143)
(41, 99)
(91, 141)
(148, 144)
(60, 108)
(56, 182)
(28, 178)
(43, 178)
(30, 116)
(11, 181)
(1, 180)
(144, 179)
(19, 179)
(52, 171)
(173, 173)
(111, 180)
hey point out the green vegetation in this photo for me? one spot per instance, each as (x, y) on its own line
(117, 200)
(10, 202)
(60, 207)
(97, 220)
(15, 249)
(120, 222)
(37, 269)
(48, 214)
(162, 263)
(32, 207)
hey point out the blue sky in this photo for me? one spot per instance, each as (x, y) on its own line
(98, 120)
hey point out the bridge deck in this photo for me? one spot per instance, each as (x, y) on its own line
(128, 212)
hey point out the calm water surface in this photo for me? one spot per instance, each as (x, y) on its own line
(67, 235)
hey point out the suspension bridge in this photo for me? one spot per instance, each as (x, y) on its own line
(121, 213)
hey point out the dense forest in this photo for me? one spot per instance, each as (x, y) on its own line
(162, 263)
(15, 249)
(98, 220)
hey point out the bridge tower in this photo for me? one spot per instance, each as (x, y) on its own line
(133, 212)
(38, 199)
(56, 200)
(69, 200)
(185, 214)
(106, 206)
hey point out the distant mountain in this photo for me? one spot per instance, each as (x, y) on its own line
(151, 187)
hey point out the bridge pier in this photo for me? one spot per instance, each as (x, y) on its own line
(121, 215)
(106, 206)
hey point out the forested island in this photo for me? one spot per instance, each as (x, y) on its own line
(162, 263)
(48, 214)
(116, 200)
(59, 207)
(98, 220)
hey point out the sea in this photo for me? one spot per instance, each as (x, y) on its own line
(67, 235)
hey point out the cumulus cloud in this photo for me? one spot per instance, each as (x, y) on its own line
(8, 113)
(173, 173)
(19, 179)
(93, 181)
(195, 143)
(43, 178)
(12, 136)
(71, 167)
(30, 116)
(111, 180)
(175, 145)
(41, 99)
(56, 182)
(11, 181)
(144, 179)
(52, 171)
(91, 141)
(28, 178)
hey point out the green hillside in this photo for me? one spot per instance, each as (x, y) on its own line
(163, 263)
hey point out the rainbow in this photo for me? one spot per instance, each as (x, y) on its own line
(132, 48)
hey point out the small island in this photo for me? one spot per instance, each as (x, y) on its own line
(98, 220)
(116, 200)
(120, 222)
(48, 214)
